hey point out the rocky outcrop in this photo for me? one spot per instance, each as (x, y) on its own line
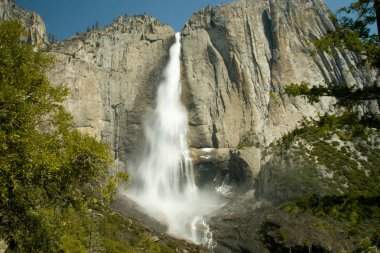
(112, 75)
(258, 227)
(31, 20)
(321, 190)
(230, 171)
(331, 164)
(313, 234)
(235, 226)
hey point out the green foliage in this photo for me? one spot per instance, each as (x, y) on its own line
(359, 215)
(351, 40)
(353, 32)
(105, 231)
(345, 95)
(281, 235)
(313, 130)
(302, 89)
(275, 98)
(344, 207)
(47, 168)
(329, 156)
(249, 139)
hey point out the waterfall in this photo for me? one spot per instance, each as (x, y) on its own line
(163, 179)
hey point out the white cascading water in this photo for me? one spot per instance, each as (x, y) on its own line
(163, 180)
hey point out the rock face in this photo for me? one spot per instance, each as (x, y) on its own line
(112, 75)
(325, 166)
(245, 53)
(31, 20)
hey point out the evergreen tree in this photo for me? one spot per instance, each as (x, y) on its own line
(51, 38)
(47, 168)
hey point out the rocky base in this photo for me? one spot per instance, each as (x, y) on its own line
(229, 171)
(249, 225)
(317, 191)
(285, 232)
(131, 209)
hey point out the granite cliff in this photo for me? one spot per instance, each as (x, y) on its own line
(112, 75)
(245, 53)
(234, 78)
(236, 60)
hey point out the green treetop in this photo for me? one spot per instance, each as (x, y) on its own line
(46, 166)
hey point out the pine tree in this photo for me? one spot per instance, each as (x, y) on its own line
(46, 166)
(51, 38)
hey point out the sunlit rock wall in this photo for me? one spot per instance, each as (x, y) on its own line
(112, 75)
(237, 59)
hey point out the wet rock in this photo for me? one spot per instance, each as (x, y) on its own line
(235, 226)
(229, 171)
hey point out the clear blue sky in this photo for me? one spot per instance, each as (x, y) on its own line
(64, 18)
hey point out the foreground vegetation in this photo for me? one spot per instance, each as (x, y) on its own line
(49, 172)
(56, 183)
(102, 230)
